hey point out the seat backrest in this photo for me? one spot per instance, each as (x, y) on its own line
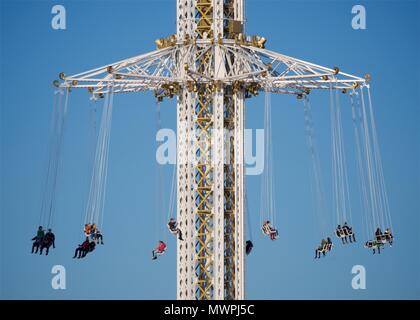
(266, 228)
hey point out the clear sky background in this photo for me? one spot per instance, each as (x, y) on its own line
(100, 32)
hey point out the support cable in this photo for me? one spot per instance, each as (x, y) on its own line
(317, 190)
(55, 146)
(96, 201)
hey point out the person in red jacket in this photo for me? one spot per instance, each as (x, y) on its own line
(160, 249)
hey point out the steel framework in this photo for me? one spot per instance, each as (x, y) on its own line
(211, 66)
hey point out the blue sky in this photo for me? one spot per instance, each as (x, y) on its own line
(100, 32)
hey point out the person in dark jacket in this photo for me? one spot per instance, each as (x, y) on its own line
(82, 249)
(47, 242)
(388, 236)
(99, 237)
(378, 234)
(37, 240)
(248, 247)
(349, 232)
(173, 228)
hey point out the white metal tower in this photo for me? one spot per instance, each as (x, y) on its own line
(211, 66)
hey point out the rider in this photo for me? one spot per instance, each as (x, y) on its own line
(99, 237)
(50, 237)
(248, 247)
(173, 227)
(329, 244)
(40, 233)
(82, 249)
(160, 249)
(374, 244)
(388, 236)
(87, 229)
(339, 231)
(37, 239)
(47, 241)
(378, 234)
(269, 230)
(326, 246)
(320, 249)
(350, 233)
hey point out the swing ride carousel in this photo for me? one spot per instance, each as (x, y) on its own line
(212, 67)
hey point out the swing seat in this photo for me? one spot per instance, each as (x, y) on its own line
(389, 237)
(325, 247)
(265, 230)
(374, 244)
(370, 245)
(342, 233)
(173, 230)
(159, 253)
(276, 234)
(382, 238)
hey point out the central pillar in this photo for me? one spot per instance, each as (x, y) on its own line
(210, 124)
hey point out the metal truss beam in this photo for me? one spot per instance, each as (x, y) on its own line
(251, 67)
